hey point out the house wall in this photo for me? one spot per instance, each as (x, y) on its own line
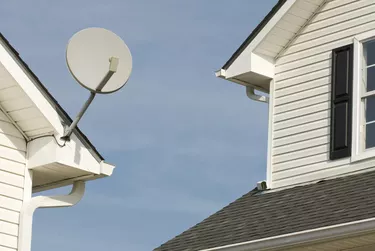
(301, 105)
(12, 172)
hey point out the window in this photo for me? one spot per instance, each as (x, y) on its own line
(368, 95)
(363, 116)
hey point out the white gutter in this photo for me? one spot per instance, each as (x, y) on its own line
(304, 237)
(249, 87)
(28, 209)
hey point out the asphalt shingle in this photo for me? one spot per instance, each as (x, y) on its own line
(258, 215)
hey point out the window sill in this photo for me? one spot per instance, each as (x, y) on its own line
(363, 156)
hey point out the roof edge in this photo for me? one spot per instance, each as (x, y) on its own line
(304, 237)
(254, 33)
(60, 111)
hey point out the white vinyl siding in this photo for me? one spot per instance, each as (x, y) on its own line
(12, 171)
(301, 112)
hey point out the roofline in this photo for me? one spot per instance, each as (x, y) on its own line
(61, 112)
(304, 237)
(254, 33)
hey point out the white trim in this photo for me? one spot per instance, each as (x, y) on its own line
(270, 133)
(358, 152)
(304, 237)
(28, 209)
(356, 108)
(368, 94)
(271, 24)
(25, 82)
(301, 29)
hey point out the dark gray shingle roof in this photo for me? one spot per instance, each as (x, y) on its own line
(259, 215)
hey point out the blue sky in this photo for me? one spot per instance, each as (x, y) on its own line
(184, 142)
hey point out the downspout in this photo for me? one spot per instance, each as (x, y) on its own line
(28, 209)
(250, 89)
(251, 95)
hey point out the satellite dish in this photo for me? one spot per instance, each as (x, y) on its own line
(100, 61)
(89, 55)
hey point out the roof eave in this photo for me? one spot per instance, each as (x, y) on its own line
(304, 237)
(253, 34)
(43, 90)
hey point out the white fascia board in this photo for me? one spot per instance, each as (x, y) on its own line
(45, 151)
(251, 63)
(25, 82)
(242, 64)
(302, 238)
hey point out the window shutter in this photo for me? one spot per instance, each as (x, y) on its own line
(341, 102)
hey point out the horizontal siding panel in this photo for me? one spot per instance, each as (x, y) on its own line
(303, 79)
(332, 37)
(13, 142)
(303, 70)
(327, 173)
(302, 103)
(12, 154)
(10, 203)
(286, 141)
(302, 128)
(7, 249)
(8, 241)
(294, 172)
(12, 167)
(11, 191)
(8, 228)
(302, 120)
(302, 162)
(9, 216)
(301, 145)
(290, 157)
(336, 8)
(302, 87)
(315, 50)
(303, 62)
(309, 93)
(302, 112)
(11, 179)
(338, 19)
(332, 29)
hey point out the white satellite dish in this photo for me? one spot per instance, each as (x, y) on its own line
(89, 54)
(100, 61)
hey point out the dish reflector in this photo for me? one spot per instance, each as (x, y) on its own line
(92, 54)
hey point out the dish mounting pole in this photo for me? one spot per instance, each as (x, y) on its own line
(113, 64)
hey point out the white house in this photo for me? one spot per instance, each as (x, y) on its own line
(33, 158)
(315, 62)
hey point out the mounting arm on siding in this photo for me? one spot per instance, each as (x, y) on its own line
(28, 209)
(251, 95)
